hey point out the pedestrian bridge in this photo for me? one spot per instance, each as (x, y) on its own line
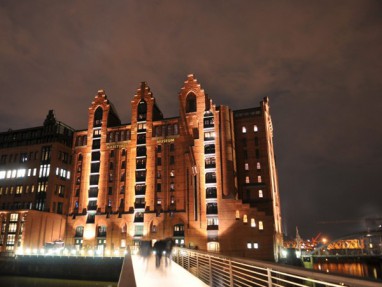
(198, 268)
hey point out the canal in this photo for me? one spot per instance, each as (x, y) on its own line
(371, 270)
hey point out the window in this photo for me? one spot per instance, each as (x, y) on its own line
(245, 218)
(259, 178)
(253, 222)
(79, 231)
(210, 177)
(159, 187)
(261, 226)
(191, 103)
(209, 136)
(256, 245)
(212, 208)
(243, 130)
(261, 193)
(98, 117)
(237, 214)
(258, 166)
(247, 179)
(172, 159)
(255, 128)
(172, 173)
(210, 162)
(246, 166)
(249, 245)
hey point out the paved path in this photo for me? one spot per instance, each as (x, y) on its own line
(146, 274)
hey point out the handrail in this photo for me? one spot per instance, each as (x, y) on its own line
(225, 271)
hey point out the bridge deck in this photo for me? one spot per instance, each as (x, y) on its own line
(146, 274)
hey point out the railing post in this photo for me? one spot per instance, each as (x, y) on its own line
(210, 269)
(197, 265)
(188, 260)
(230, 273)
(269, 274)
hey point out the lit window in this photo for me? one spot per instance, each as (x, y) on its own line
(255, 128)
(237, 214)
(261, 226)
(247, 179)
(249, 245)
(261, 193)
(243, 130)
(256, 245)
(21, 172)
(258, 166)
(253, 222)
(259, 178)
(245, 218)
(246, 166)
(2, 174)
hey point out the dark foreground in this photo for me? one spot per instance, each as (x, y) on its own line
(68, 268)
(12, 281)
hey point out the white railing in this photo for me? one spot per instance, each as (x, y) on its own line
(218, 270)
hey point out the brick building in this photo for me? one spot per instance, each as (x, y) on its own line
(206, 178)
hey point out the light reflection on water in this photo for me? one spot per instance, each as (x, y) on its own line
(13, 281)
(354, 269)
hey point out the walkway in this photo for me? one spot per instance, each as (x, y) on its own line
(146, 274)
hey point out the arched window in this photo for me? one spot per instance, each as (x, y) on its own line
(98, 117)
(142, 110)
(191, 103)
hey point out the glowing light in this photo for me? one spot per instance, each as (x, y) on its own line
(73, 251)
(28, 251)
(99, 251)
(107, 252)
(284, 253)
(90, 252)
(116, 252)
(35, 251)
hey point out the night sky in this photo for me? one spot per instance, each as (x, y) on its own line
(319, 62)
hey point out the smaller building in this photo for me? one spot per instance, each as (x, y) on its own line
(35, 177)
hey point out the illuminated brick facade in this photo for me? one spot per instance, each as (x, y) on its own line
(206, 178)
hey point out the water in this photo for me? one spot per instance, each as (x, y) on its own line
(13, 281)
(359, 269)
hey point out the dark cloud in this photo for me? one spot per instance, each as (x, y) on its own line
(319, 62)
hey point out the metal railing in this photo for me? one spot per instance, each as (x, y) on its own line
(218, 270)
